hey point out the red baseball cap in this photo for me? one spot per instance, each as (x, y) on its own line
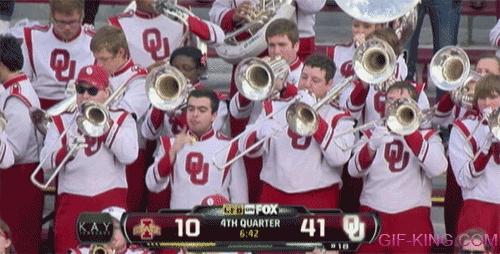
(216, 199)
(93, 75)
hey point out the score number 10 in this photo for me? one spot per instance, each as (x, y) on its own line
(308, 226)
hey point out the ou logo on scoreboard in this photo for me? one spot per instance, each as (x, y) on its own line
(154, 44)
(63, 66)
(354, 228)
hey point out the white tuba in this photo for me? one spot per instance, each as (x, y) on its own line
(233, 51)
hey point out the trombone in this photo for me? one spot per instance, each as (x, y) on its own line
(93, 122)
(255, 78)
(167, 88)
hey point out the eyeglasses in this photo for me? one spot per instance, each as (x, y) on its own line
(64, 23)
(92, 90)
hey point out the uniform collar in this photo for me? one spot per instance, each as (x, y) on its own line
(124, 68)
(295, 64)
(146, 15)
(15, 79)
(71, 39)
(205, 136)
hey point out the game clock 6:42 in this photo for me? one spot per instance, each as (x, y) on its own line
(249, 234)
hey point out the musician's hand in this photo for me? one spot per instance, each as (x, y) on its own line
(359, 39)
(268, 128)
(243, 11)
(380, 136)
(307, 97)
(182, 139)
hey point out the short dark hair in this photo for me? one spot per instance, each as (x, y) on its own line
(11, 54)
(206, 93)
(324, 63)
(192, 52)
(404, 85)
(283, 27)
(486, 87)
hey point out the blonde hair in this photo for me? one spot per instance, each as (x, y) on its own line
(109, 38)
(66, 6)
(487, 86)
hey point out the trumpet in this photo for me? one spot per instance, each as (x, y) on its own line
(100, 249)
(167, 88)
(449, 68)
(303, 119)
(255, 78)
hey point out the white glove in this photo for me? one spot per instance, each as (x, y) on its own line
(307, 97)
(487, 112)
(268, 128)
(380, 136)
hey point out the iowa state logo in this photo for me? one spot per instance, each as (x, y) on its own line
(147, 229)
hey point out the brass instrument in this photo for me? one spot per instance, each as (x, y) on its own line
(167, 88)
(233, 50)
(449, 68)
(375, 11)
(255, 78)
(374, 61)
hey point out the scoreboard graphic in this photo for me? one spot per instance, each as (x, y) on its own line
(249, 227)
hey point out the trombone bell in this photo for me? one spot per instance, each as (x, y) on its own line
(404, 117)
(94, 121)
(374, 61)
(302, 119)
(449, 68)
(167, 88)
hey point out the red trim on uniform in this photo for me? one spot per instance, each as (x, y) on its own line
(227, 21)
(429, 134)
(198, 27)
(60, 127)
(334, 125)
(60, 155)
(320, 133)
(157, 117)
(461, 126)
(16, 79)
(289, 91)
(364, 158)
(70, 39)
(21, 97)
(480, 163)
(28, 39)
(419, 87)
(367, 133)
(330, 51)
(295, 64)
(358, 94)
(268, 106)
(119, 123)
(164, 166)
(233, 150)
(114, 21)
(415, 142)
(146, 15)
(129, 64)
(445, 104)
(243, 101)
(205, 136)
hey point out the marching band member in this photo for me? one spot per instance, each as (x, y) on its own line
(19, 144)
(6, 245)
(111, 52)
(495, 37)
(397, 172)
(82, 185)
(152, 36)
(185, 162)
(192, 64)
(282, 37)
(477, 175)
(230, 14)
(288, 178)
(54, 53)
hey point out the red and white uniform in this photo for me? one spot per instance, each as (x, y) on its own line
(478, 178)
(369, 104)
(18, 158)
(193, 176)
(397, 184)
(84, 185)
(222, 13)
(152, 37)
(242, 108)
(495, 37)
(51, 62)
(293, 164)
(342, 55)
